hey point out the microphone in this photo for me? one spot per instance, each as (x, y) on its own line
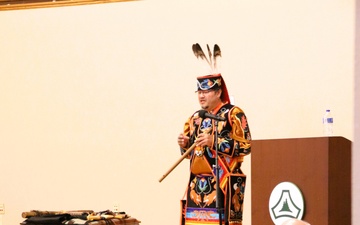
(203, 114)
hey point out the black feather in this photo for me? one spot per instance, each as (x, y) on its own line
(217, 56)
(210, 57)
(199, 53)
(195, 51)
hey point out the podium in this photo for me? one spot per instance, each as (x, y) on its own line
(320, 167)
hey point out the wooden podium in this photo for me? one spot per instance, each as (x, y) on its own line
(320, 167)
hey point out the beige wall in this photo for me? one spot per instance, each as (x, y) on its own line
(93, 97)
(356, 144)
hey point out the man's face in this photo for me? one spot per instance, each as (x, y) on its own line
(209, 99)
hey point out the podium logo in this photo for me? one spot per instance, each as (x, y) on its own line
(286, 202)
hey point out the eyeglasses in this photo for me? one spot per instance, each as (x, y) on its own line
(204, 92)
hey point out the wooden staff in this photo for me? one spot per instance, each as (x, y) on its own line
(178, 162)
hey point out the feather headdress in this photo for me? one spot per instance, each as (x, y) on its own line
(214, 80)
(213, 62)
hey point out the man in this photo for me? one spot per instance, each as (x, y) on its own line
(203, 204)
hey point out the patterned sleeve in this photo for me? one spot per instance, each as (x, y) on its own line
(240, 131)
(189, 129)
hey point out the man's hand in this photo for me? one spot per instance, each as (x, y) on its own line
(204, 140)
(183, 140)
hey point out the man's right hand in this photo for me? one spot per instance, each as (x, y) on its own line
(183, 140)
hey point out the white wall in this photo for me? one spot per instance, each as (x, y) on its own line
(93, 97)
